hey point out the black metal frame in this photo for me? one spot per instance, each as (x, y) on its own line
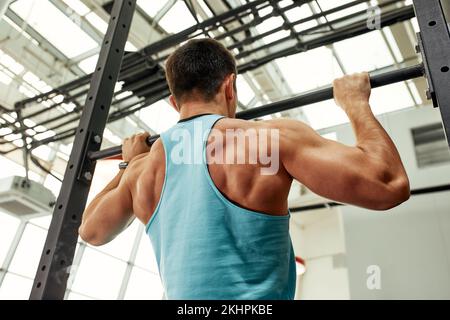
(144, 76)
(57, 256)
(301, 100)
(434, 44)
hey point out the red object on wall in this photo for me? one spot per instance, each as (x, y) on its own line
(300, 260)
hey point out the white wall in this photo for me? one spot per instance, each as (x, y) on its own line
(318, 238)
(410, 244)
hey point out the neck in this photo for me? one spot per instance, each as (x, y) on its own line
(192, 109)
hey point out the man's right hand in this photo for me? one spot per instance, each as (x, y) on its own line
(134, 145)
(352, 91)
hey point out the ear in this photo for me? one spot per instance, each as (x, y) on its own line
(173, 103)
(229, 87)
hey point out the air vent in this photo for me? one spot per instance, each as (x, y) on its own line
(430, 145)
(25, 199)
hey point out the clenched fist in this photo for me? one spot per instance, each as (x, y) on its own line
(352, 90)
(134, 145)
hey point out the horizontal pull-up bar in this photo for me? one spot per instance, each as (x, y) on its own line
(301, 100)
(414, 192)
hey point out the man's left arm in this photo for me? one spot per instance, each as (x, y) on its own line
(111, 211)
(108, 214)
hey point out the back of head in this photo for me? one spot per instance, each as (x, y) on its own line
(198, 68)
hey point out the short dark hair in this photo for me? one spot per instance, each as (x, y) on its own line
(199, 65)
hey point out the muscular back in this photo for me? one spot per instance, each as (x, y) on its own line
(241, 183)
(370, 174)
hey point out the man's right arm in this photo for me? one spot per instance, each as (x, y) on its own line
(369, 174)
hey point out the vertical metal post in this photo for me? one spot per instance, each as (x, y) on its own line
(130, 263)
(434, 44)
(57, 256)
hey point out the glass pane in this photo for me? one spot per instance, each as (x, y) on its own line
(309, 70)
(15, 287)
(390, 98)
(43, 16)
(8, 228)
(28, 253)
(52, 184)
(75, 296)
(9, 168)
(150, 7)
(329, 4)
(177, 18)
(43, 222)
(88, 64)
(160, 116)
(364, 53)
(99, 275)
(144, 285)
(324, 114)
(121, 246)
(244, 91)
(145, 257)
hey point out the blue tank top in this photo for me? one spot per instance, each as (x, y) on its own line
(206, 246)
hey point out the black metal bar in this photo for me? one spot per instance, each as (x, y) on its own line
(349, 31)
(156, 47)
(327, 93)
(359, 28)
(295, 102)
(415, 192)
(339, 34)
(434, 43)
(256, 63)
(123, 112)
(57, 256)
(183, 35)
(388, 18)
(315, 16)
